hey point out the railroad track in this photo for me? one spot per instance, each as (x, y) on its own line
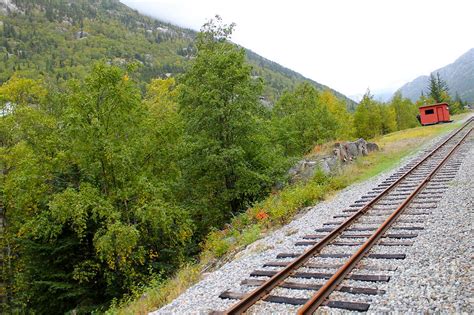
(336, 259)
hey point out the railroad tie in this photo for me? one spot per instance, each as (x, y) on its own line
(351, 306)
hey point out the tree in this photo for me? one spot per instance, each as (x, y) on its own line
(368, 118)
(19, 91)
(438, 89)
(405, 112)
(165, 142)
(229, 159)
(88, 213)
(301, 120)
(338, 108)
(456, 106)
(422, 100)
(388, 118)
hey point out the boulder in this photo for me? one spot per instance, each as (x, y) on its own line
(371, 147)
(342, 153)
(303, 170)
(362, 146)
(356, 148)
(329, 164)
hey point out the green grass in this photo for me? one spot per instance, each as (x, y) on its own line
(278, 209)
(159, 293)
(397, 145)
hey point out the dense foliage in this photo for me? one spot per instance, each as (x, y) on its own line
(300, 121)
(405, 112)
(229, 160)
(368, 117)
(87, 201)
(106, 189)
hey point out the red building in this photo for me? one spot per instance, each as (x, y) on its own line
(434, 114)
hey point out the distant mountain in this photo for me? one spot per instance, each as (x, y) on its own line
(61, 39)
(260, 62)
(459, 75)
(356, 97)
(383, 95)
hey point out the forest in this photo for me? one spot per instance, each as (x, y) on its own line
(107, 185)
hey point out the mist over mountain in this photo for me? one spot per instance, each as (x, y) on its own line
(383, 95)
(459, 76)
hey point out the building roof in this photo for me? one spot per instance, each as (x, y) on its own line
(431, 105)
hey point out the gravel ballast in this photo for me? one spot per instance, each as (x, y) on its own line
(435, 276)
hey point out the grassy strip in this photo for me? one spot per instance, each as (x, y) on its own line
(394, 147)
(278, 209)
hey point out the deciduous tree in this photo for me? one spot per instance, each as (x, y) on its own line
(367, 118)
(301, 120)
(405, 112)
(229, 160)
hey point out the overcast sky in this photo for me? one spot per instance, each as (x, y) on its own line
(346, 44)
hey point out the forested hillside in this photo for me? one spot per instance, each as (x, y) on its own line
(61, 39)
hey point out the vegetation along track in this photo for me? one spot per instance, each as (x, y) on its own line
(386, 218)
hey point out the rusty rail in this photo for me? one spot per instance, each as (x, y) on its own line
(262, 291)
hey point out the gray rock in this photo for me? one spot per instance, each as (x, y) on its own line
(371, 147)
(362, 146)
(352, 150)
(340, 152)
(81, 34)
(330, 164)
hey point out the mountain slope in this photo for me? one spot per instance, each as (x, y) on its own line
(60, 39)
(459, 75)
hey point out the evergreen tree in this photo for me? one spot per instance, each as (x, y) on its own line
(438, 89)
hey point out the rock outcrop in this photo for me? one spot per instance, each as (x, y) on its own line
(342, 154)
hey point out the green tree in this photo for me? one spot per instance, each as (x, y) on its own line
(388, 118)
(301, 120)
(438, 89)
(18, 92)
(166, 139)
(405, 112)
(457, 105)
(89, 215)
(368, 118)
(229, 161)
(343, 119)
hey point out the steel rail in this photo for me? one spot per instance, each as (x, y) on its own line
(321, 295)
(263, 290)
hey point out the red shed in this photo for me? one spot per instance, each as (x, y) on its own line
(434, 114)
